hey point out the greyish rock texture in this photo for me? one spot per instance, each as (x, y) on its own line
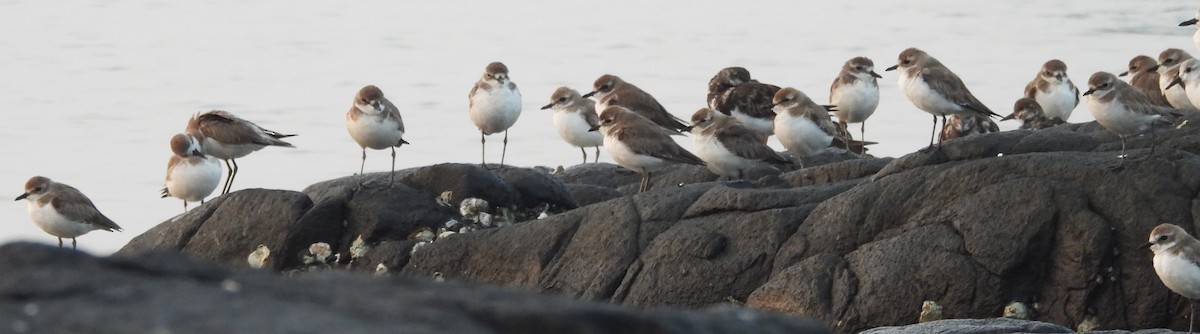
(51, 290)
(1045, 218)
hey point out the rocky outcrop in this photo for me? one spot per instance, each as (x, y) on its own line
(171, 293)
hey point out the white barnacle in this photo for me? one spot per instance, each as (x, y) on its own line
(258, 258)
(359, 248)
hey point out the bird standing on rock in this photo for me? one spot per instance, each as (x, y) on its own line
(375, 123)
(1053, 90)
(63, 211)
(611, 90)
(1177, 263)
(1143, 72)
(732, 92)
(728, 147)
(855, 93)
(495, 105)
(804, 127)
(1122, 110)
(191, 175)
(935, 89)
(574, 117)
(636, 143)
(228, 137)
(1029, 112)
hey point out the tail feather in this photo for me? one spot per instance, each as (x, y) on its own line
(856, 146)
(165, 193)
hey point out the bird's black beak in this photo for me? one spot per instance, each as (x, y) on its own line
(548, 106)
(688, 128)
(1123, 74)
(1175, 81)
(1146, 245)
(23, 196)
(1010, 116)
(1187, 23)
(1153, 69)
(876, 74)
(892, 68)
(1089, 91)
(594, 128)
(589, 94)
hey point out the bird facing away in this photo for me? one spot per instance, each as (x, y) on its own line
(636, 143)
(495, 105)
(228, 137)
(933, 88)
(191, 175)
(63, 211)
(1053, 90)
(1177, 262)
(804, 127)
(375, 123)
(959, 125)
(728, 147)
(1144, 78)
(1029, 112)
(574, 118)
(612, 91)
(1122, 110)
(855, 92)
(732, 92)
(1168, 68)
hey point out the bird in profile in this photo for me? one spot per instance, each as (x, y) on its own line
(191, 175)
(1029, 112)
(495, 105)
(933, 88)
(804, 127)
(1177, 263)
(732, 92)
(1168, 69)
(63, 211)
(375, 123)
(1143, 72)
(636, 143)
(1122, 110)
(855, 92)
(728, 147)
(228, 137)
(611, 90)
(574, 117)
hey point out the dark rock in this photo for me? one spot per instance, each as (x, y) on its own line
(534, 187)
(159, 292)
(588, 194)
(974, 326)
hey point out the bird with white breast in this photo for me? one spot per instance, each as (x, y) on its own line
(63, 211)
(375, 123)
(495, 105)
(191, 174)
(574, 118)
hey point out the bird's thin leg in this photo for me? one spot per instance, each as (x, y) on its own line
(232, 175)
(1192, 316)
(184, 206)
(392, 176)
(596, 159)
(1152, 136)
(504, 149)
(363, 166)
(645, 182)
(228, 178)
(862, 136)
(584, 151)
(60, 243)
(847, 142)
(943, 129)
(934, 131)
(73, 243)
(483, 149)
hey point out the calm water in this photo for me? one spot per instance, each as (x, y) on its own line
(92, 92)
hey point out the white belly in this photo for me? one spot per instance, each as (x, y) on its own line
(495, 110)
(626, 158)
(855, 103)
(800, 136)
(762, 126)
(1178, 274)
(48, 219)
(1114, 117)
(925, 98)
(574, 129)
(720, 160)
(1193, 91)
(1059, 102)
(1176, 96)
(194, 179)
(227, 151)
(369, 132)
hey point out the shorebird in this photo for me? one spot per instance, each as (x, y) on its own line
(1053, 90)
(228, 137)
(63, 211)
(191, 175)
(1144, 78)
(1029, 112)
(804, 127)
(959, 125)
(1189, 78)
(495, 105)
(732, 92)
(574, 117)
(1192, 22)
(933, 88)
(375, 123)
(1177, 263)
(855, 92)
(612, 91)
(1122, 110)
(636, 143)
(1168, 68)
(728, 147)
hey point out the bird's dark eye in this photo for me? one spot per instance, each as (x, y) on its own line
(906, 61)
(562, 99)
(1162, 238)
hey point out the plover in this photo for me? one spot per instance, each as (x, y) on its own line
(375, 123)
(933, 88)
(1053, 90)
(804, 127)
(228, 137)
(612, 91)
(1144, 78)
(732, 92)
(63, 211)
(495, 105)
(1192, 22)
(1029, 112)
(959, 125)
(1122, 110)
(636, 143)
(855, 92)
(191, 175)
(728, 147)
(1177, 262)
(1188, 76)
(574, 117)
(1168, 67)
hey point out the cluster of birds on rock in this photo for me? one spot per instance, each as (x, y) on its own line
(730, 134)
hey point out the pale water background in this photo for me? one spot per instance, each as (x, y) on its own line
(92, 91)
